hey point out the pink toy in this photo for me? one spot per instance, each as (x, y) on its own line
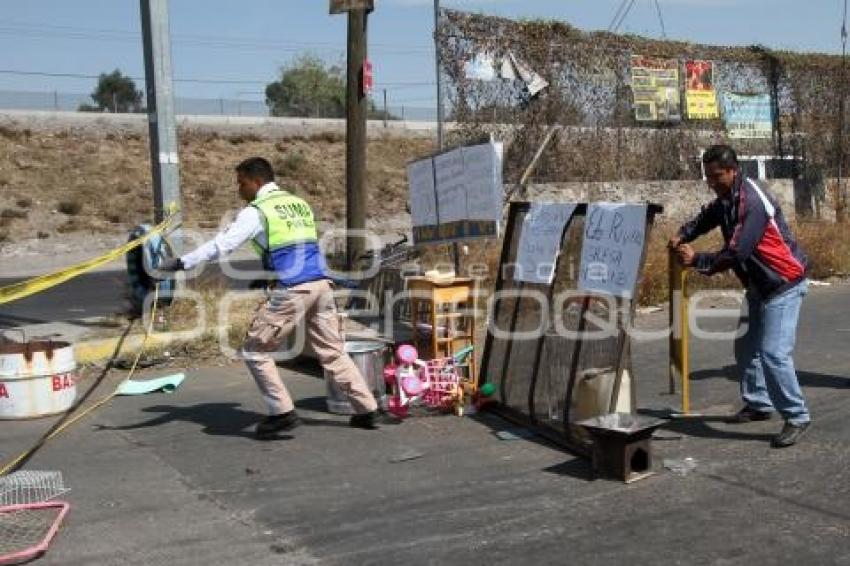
(435, 383)
(404, 380)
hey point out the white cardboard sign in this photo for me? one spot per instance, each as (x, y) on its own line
(540, 240)
(613, 244)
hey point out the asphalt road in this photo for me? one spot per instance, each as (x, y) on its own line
(96, 294)
(178, 479)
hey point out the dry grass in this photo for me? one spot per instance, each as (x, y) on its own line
(828, 247)
(110, 177)
(12, 213)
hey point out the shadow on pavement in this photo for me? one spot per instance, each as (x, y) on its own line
(218, 419)
(700, 428)
(576, 468)
(806, 378)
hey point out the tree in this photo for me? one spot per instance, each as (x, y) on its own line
(114, 93)
(308, 88)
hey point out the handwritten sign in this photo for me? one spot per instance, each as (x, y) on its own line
(540, 240)
(423, 198)
(459, 192)
(451, 187)
(482, 171)
(612, 247)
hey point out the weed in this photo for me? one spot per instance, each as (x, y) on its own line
(328, 137)
(24, 202)
(244, 138)
(69, 207)
(206, 193)
(290, 164)
(11, 213)
(42, 235)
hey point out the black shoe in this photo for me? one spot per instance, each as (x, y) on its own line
(365, 420)
(748, 415)
(790, 434)
(273, 424)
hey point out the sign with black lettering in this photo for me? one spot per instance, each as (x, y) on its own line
(540, 241)
(457, 194)
(613, 244)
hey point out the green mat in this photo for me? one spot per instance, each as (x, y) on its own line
(167, 384)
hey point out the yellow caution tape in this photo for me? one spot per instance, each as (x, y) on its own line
(38, 284)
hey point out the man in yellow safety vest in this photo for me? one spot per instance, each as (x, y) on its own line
(282, 229)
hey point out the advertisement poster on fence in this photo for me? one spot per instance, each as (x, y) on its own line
(700, 96)
(747, 115)
(655, 85)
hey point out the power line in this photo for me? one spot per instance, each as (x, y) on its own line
(617, 14)
(27, 29)
(623, 16)
(388, 85)
(660, 20)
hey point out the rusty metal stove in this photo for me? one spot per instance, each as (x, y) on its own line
(622, 447)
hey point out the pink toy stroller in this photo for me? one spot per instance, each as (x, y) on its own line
(433, 383)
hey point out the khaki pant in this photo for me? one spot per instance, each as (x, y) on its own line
(278, 317)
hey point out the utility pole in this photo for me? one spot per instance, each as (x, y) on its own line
(455, 253)
(355, 137)
(840, 194)
(439, 80)
(160, 99)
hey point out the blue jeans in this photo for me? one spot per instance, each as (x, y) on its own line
(763, 355)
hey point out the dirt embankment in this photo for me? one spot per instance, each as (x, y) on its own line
(61, 190)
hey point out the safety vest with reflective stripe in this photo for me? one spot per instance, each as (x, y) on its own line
(293, 248)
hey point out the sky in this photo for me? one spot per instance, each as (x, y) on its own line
(217, 42)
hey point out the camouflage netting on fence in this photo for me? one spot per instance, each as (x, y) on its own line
(589, 93)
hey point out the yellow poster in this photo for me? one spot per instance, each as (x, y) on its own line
(700, 96)
(655, 86)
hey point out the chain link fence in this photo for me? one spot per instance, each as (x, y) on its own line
(65, 101)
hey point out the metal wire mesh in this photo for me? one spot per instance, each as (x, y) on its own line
(26, 487)
(26, 531)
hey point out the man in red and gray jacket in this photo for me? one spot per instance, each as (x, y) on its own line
(763, 253)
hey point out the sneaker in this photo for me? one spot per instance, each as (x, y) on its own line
(364, 420)
(273, 424)
(748, 415)
(790, 434)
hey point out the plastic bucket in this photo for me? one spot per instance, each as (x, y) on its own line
(370, 357)
(37, 378)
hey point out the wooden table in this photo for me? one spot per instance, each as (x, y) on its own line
(447, 306)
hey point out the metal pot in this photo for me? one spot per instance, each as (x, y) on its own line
(370, 357)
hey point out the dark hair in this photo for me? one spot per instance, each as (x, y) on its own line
(257, 168)
(723, 155)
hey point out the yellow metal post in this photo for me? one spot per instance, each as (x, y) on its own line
(678, 302)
